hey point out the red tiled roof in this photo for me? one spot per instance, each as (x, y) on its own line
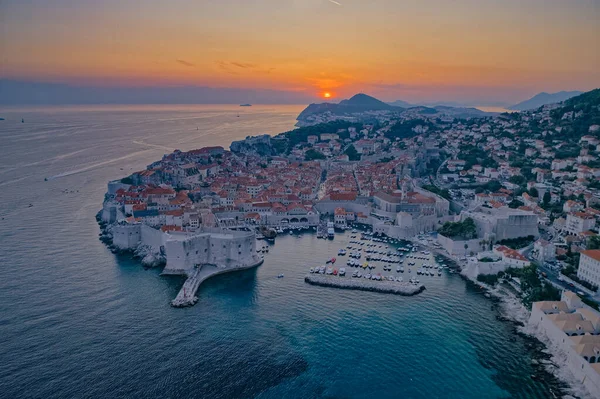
(592, 253)
(342, 196)
(167, 227)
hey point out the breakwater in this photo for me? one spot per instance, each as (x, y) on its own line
(388, 287)
(187, 295)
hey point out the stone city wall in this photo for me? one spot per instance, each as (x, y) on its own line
(456, 247)
(211, 246)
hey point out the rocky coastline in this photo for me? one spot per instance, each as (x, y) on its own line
(145, 254)
(547, 361)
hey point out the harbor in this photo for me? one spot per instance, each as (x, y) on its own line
(381, 264)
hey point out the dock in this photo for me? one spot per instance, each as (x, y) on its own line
(388, 287)
(187, 295)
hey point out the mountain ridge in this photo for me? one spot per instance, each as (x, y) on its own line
(544, 98)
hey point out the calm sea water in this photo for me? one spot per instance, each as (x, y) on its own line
(77, 321)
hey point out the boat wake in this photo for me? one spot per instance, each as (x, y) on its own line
(43, 161)
(96, 165)
(160, 147)
(13, 181)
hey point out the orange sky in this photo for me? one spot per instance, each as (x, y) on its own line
(410, 50)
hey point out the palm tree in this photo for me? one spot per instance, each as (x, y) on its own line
(466, 247)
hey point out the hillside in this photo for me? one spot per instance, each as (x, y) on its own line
(577, 114)
(365, 102)
(357, 104)
(401, 103)
(542, 99)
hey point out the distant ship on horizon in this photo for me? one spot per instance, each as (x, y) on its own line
(245, 105)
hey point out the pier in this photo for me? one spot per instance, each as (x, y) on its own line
(388, 287)
(187, 295)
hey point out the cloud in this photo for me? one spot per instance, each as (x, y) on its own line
(185, 63)
(335, 2)
(235, 67)
(242, 64)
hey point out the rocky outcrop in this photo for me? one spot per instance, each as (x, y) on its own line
(259, 145)
(148, 256)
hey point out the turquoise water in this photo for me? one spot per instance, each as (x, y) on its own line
(79, 321)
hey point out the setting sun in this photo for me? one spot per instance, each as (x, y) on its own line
(327, 95)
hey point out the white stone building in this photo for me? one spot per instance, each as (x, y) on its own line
(545, 250)
(589, 266)
(578, 222)
(573, 328)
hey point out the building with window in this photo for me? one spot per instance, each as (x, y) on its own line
(579, 222)
(574, 328)
(589, 266)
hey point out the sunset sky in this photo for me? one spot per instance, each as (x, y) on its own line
(473, 51)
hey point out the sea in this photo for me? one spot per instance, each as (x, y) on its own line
(77, 321)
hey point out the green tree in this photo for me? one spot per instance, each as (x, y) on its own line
(514, 204)
(547, 198)
(517, 179)
(594, 242)
(352, 153)
(533, 192)
(463, 230)
(493, 186)
(313, 154)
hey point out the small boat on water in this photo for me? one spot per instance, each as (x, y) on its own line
(342, 271)
(280, 276)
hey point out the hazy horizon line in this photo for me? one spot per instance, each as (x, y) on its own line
(21, 92)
